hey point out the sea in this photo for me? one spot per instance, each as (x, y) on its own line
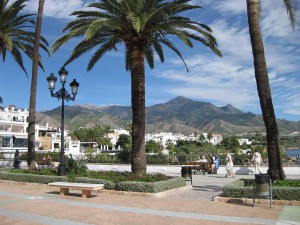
(290, 152)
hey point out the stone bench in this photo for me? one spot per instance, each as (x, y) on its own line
(85, 187)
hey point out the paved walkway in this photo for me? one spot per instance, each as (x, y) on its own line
(37, 204)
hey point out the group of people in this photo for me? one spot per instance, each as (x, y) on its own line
(215, 163)
(46, 161)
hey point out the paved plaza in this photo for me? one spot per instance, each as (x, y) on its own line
(37, 204)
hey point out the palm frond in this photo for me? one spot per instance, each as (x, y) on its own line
(291, 12)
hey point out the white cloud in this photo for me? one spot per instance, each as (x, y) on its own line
(56, 8)
(231, 79)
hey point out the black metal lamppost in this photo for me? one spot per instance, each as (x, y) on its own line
(63, 95)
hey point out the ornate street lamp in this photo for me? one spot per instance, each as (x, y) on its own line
(63, 95)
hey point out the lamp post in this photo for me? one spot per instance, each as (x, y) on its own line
(63, 95)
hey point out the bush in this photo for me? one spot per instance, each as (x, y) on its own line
(243, 189)
(151, 187)
(32, 178)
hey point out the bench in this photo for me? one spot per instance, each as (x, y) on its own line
(85, 187)
(45, 163)
(199, 166)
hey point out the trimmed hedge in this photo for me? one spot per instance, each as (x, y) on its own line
(237, 189)
(151, 187)
(135, 186)
(32, 178)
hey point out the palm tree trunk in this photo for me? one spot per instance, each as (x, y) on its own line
(263, 87)
(138, 156)
(32, 102)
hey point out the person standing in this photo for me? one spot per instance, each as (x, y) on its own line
(17, 161)
(256, 160)
(229, 166)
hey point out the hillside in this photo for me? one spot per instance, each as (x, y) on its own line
(179, 115)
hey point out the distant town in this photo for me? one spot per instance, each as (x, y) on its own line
(13, 135)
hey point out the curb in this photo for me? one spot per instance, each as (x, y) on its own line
(257, 201)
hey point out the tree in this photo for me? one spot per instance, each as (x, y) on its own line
(231, 143)
(202, 138)
(143, 27)
(33, 89)
(95, 134)
(1, 101)
(125, 142)
(209, 137)
(263, 86)
(15, 34)
(154, 147)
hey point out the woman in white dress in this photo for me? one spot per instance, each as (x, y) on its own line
(229, 166)
(256, 160)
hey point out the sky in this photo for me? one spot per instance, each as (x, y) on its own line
(220, 81)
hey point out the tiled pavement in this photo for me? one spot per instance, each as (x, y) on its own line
(36, 204)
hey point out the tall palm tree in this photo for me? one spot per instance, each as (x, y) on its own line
(15, 36)
(263, 86)
(33, 89)
(143, 26)
(1, 101)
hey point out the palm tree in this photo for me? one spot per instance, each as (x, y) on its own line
(33, 89)
(1, 101)
(143, 26)
(263, 86)
(15, 36)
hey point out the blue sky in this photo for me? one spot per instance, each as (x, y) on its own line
(221, 81)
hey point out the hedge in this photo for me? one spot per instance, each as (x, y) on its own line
(237, 189)
(32, 178)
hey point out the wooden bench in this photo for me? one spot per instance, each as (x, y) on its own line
(45, 163)
(199, 166)
(85, 187)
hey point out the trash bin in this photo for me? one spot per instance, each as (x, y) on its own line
(186, 172)
(262, 184)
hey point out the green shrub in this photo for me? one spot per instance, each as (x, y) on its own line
(151, 187)
(243, 189)
(116, 176)
(76, 166)
(31, 178)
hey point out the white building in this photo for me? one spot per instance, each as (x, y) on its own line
(13, 131)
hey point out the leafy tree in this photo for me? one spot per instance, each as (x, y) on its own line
(263, 86)
(95, 134)
(143, 27)
(169, 144)
(15, 34)
(154, 147)
(202, 138)
(125, 142)
(231, 144)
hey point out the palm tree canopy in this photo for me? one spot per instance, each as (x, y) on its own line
(142, 23)
(291, 11)
(289, 4)
(15, 34)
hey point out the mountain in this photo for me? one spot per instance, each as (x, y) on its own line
(179, 115)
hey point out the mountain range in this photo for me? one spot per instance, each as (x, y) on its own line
(179, 115)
